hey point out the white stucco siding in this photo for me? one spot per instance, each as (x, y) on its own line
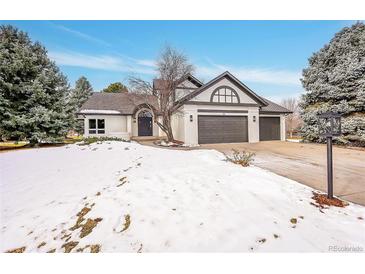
(206, 94)
(115, 126)
(253, 125)
(282, 127)
(190, 127)
(177, 124)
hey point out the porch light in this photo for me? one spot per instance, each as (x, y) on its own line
(329, 124)
(254, 119)
(191, 118)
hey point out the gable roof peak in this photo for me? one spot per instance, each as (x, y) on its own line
(251, 93)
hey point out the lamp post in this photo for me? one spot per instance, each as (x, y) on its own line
(329, 125)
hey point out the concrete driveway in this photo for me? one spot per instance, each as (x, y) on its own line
(306, 163)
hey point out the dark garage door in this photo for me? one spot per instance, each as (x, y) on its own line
(222, 129)
(269, 128)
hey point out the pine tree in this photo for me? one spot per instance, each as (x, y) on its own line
(33, 91)
(81, 92)
(335, 81)
(77, 98)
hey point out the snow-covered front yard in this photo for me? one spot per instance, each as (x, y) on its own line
(125, 197)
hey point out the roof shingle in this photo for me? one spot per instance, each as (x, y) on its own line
(125, 103)
(273, 107)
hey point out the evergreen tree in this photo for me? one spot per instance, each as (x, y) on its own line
(335, 81)
(81, 92)
(77, 98)
(33, 92)
(116, 88)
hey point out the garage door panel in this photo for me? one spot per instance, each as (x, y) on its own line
(222, 129)
(269, 128)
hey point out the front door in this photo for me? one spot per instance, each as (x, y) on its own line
(144, 123)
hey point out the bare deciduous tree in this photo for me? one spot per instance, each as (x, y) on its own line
(172, 67)
(292, 121)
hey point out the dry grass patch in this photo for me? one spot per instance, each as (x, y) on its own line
(66, 236)
(51, 250)
(93, 248)
(69, 246)
(123, 180)
(80, 218)
(41, 244)
(293, 221)
(17, 250)
(127, 223)
(88, 227)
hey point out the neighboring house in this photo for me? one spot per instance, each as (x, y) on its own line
(224, 110)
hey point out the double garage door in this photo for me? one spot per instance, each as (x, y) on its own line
(222, 129)
(234, 129)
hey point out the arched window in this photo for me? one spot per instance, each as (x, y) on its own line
(144, 113)
(225, 94)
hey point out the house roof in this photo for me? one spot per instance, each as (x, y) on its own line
(273, 107)
(117, 103)
(228, 75)
(158, 83)
(128, 103)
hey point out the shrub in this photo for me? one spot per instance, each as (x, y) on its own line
(90, 140)
(242, 158)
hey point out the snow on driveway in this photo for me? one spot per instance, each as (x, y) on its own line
(125, 197)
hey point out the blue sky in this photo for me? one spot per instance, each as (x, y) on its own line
(268, 56)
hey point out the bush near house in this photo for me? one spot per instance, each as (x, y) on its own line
(90, 140)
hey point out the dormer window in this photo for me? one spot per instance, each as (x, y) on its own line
(225, 94)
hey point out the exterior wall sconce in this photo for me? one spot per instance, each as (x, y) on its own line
(254, 119)
(329, 125)
(191, 118)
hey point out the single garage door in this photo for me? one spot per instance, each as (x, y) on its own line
(269, 128)
(222, 129)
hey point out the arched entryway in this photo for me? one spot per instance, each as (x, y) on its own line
(145, 123)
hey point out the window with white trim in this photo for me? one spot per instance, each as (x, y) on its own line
(224, 95)
(96, 126)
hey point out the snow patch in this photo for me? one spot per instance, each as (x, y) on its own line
(176, 201)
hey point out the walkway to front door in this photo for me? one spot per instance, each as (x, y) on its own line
(145, 123)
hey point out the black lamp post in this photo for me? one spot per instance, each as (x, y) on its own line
(329, 125)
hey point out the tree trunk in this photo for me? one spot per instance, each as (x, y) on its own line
(167, 127)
